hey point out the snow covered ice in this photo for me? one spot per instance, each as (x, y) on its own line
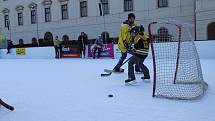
(73, 90)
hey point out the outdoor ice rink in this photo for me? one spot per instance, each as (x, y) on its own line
(73, 90)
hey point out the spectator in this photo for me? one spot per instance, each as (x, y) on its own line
(82, 42)
(57, 46)
(9, 46)
(98, 46)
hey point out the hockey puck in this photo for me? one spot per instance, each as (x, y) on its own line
(110, 95)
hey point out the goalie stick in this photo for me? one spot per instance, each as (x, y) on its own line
(11, 108)
(111, 71)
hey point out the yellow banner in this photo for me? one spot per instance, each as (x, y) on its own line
(1, 39)
(20, 51)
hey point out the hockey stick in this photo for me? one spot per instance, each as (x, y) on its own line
(11, 108)
(108, 74)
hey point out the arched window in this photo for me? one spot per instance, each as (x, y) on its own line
(34, 41)
(48, 39)
(105, 37)
(211, 31)
(163, 31)
(48, 36)
(163, 35)
(21, 42)
(65, 38)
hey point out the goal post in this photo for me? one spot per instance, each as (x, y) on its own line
(176, 64)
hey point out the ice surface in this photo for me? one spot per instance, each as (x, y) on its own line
(72, 90)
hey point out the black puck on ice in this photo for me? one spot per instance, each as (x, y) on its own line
(110, 95)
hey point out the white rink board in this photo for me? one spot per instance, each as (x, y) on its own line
(204, 48)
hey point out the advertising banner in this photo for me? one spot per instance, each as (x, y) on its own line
(107, 50)
(70, 52)
(20, 51)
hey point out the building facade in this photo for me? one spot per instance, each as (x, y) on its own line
(33, 19)
(205, 19)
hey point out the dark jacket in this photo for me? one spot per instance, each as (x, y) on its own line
(82, 40)
(10, 44)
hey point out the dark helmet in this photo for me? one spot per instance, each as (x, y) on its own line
(141, 29)
(130, 15)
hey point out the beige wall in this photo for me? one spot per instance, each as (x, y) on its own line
(145, 10)
(205, 15)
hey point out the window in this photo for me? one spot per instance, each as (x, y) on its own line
(105, 6)
(33, 17)
(64, 11)
(106, 37)
(48, 37)
(128, 5)
(83, 8)
(21, 41)
(211, 31)
(33, 9)
(162, 3)
(6, 21)
(163, 31)
(163, 35)
(20, 18)
(34, 41)
(19, 9)
(47, 14)
(65, 38)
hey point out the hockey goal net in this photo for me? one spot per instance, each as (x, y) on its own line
(176, 64)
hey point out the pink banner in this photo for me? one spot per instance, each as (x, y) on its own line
(107, 50)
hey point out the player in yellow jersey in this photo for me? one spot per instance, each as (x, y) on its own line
(124, 40)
